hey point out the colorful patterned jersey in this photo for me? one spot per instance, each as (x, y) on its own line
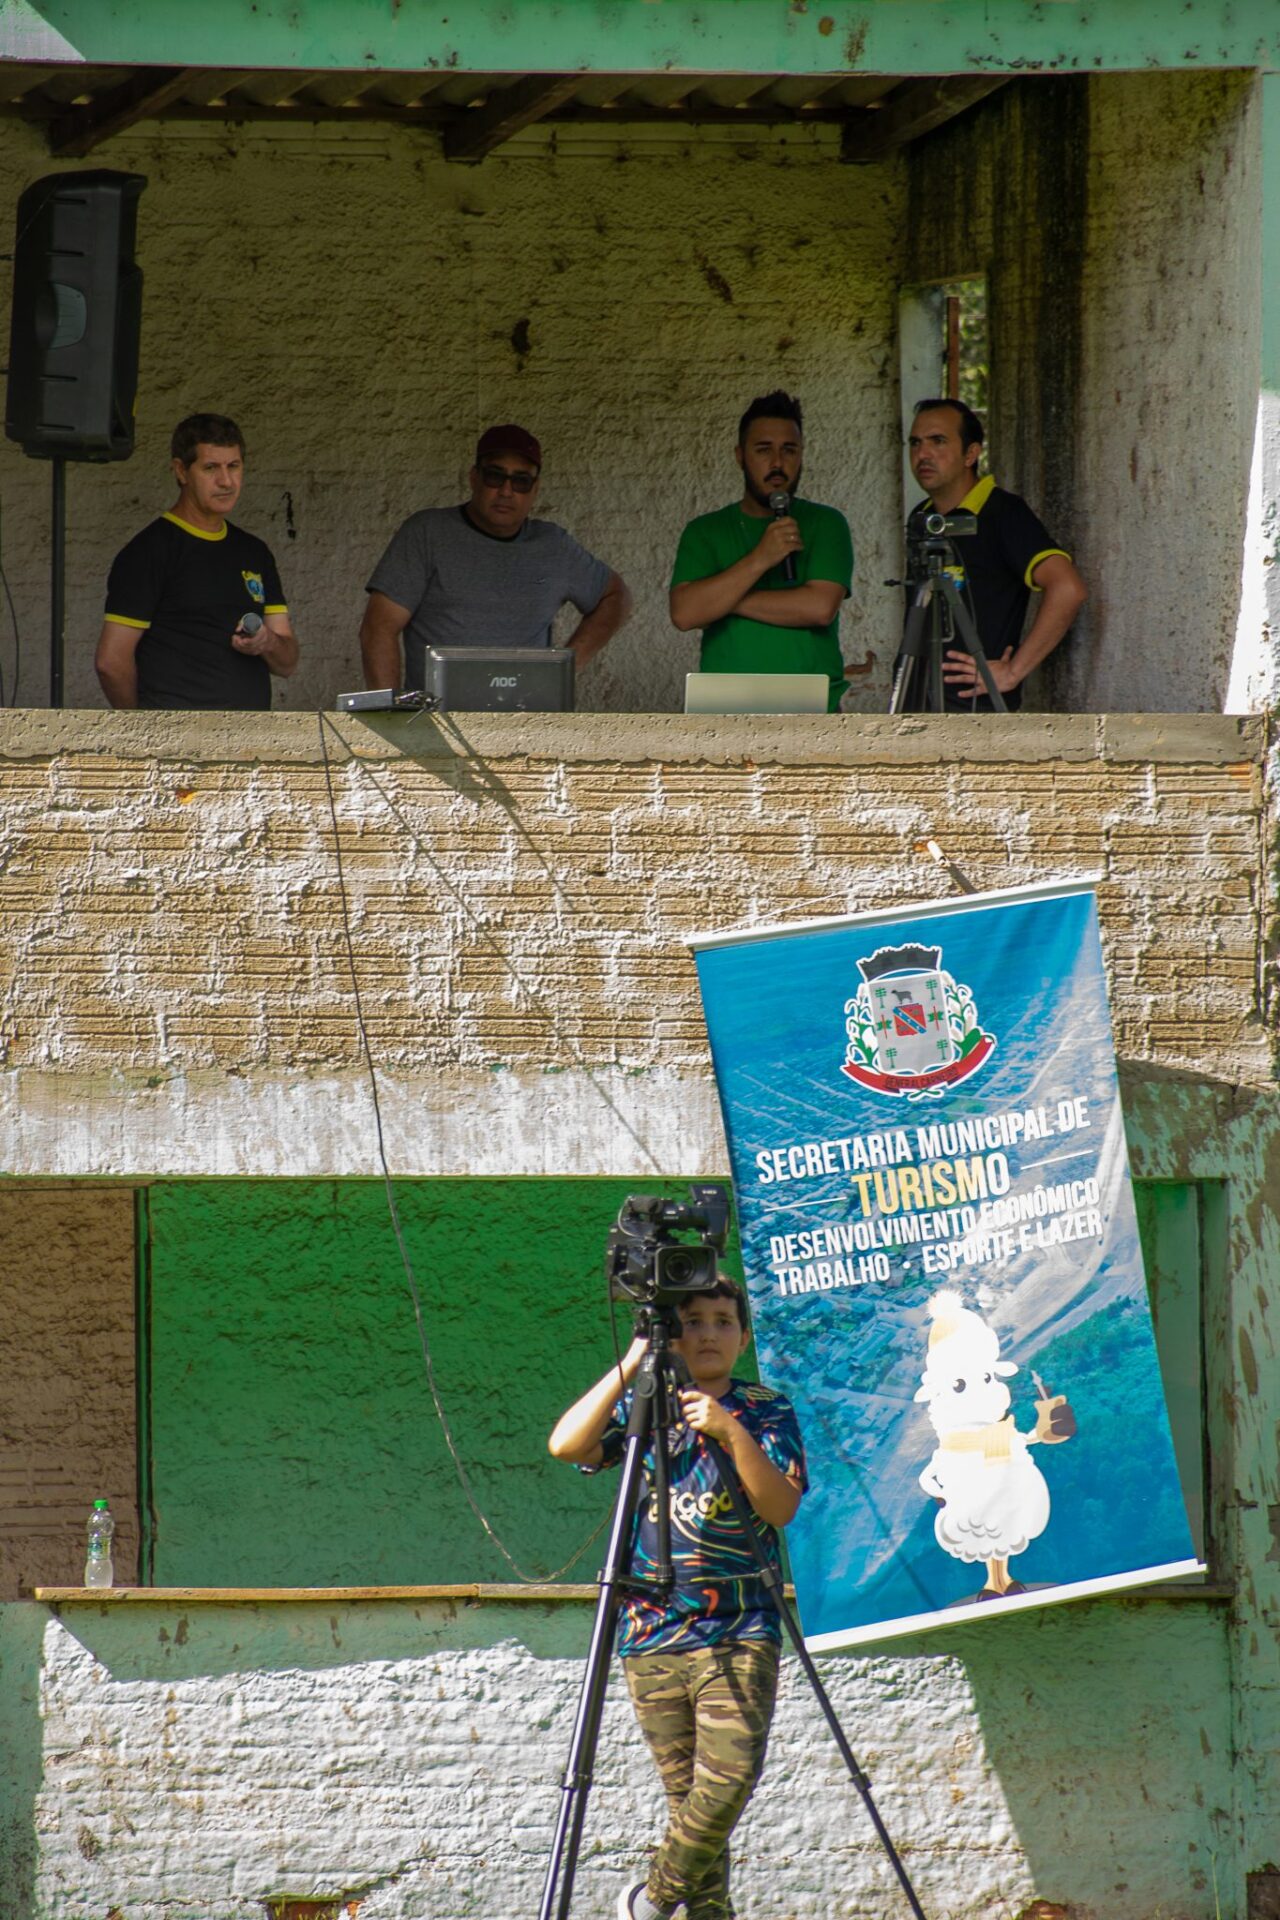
(718, 1593)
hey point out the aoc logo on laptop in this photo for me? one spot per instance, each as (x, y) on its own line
(253, 581)
(912, 1028)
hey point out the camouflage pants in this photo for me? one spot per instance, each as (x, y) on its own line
(706, 1716)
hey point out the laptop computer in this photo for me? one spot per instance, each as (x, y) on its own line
(756, 692)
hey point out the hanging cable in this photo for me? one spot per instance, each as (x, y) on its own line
(392, 1208)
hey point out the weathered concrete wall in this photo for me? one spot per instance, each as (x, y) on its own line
(1117, 221)
(176, 996)
(1213, 1130)
(364, 309)
(1172, 319)
(67, 1362)
(410, 1757)
(1255, 676)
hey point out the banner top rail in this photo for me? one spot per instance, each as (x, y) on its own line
(954, 903)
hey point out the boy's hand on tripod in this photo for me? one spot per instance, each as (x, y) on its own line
(634, 1354)
(774, 1494)
(706, 1415)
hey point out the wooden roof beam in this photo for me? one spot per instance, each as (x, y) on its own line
(912, 110)
(146, 92)
(508, 111)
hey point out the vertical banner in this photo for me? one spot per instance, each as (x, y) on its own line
(942, 1255)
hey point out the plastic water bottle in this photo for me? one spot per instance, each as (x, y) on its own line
(98, 1571)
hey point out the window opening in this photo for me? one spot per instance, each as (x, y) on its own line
(966, 347)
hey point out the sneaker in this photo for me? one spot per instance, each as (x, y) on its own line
(627, 1908)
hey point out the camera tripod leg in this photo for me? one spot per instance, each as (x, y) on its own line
(914, 647)
(773, 1580)
(649, 1417)
(578, 1773)
(967, 635)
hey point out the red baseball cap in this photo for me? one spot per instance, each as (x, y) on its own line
(509, 439)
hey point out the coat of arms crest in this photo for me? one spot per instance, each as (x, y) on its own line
(912, 1029)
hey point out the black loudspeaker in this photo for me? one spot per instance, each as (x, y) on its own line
(77, 317)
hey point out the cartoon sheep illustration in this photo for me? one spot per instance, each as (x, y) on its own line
(992, 1498)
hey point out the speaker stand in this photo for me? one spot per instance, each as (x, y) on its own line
(58, 581)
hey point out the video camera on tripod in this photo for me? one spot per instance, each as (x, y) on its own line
(644, 1261)
(928, 538)
(937, 616)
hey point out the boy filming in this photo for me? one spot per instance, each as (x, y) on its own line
(700, 1659)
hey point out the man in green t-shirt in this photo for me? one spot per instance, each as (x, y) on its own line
(731, 572)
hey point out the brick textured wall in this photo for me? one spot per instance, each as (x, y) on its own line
(520, 891)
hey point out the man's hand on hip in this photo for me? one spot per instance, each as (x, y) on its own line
(964, 678)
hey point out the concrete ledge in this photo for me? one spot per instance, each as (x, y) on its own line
(830, 739)
(494, 1593)
(235, 1596)
(1198, 737)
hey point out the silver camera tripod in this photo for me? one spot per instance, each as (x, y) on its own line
(655, 1409)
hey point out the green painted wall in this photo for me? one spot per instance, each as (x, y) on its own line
(293, 1437)
(22, 1631)
(294, 1443)
(621, 36)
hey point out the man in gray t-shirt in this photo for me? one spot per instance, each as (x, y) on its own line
(484, 574)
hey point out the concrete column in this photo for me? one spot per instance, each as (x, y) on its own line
(1255, 1481)
(921, 360)
(1255, 664)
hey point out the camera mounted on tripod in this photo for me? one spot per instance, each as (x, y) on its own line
(929, 537)
(938, 617)
(646, 1264)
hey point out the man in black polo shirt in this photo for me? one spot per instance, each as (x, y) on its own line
(1010, 555)
(178, 594)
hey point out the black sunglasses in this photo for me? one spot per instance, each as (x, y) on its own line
(498, 477)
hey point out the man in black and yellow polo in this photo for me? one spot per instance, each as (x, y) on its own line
(178, 594)
(1010, 555)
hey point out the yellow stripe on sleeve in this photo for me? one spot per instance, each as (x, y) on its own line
(280, 609)
(123, 620)
(1034, 563)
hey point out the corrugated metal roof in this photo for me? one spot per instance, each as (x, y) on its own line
(474, 113)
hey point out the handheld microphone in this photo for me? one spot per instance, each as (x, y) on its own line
(780, 507)
(251, 623)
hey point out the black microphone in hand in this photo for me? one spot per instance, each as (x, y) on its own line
(780, 507)
(250, 624)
